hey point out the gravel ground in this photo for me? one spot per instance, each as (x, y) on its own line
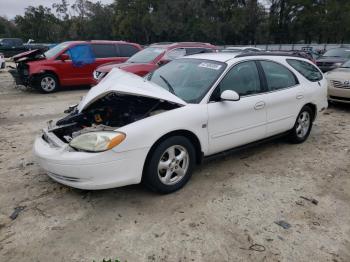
(227, 212)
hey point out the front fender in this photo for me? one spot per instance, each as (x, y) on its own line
(144, 133)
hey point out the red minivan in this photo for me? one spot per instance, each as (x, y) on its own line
(69, 63)
(153, 57)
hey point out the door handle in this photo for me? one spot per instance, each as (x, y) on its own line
(300, 96)
(259, 105)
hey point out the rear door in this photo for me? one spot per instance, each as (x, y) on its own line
(284, 97)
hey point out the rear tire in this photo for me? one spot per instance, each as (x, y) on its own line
(170, 165)
(302, 127)
(47, 83)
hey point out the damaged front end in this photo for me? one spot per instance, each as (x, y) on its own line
(21, 72)
(108, 113)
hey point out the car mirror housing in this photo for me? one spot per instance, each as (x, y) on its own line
(64, 57)
(229, 95)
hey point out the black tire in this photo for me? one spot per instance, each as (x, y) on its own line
(52, 83)
(296, 136)
(152, 175)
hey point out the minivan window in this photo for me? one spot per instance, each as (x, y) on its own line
(277, 76)
(127, 50)
(104, 50)
(309, 71)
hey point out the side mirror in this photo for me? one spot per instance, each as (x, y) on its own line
(229, 95)
(162, 62)
(64, 57)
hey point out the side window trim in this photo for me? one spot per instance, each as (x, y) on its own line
(228, 70)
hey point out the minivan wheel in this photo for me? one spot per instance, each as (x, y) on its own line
(47, 83)
(302, 126)
(170, 165)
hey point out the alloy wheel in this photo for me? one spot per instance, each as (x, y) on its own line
(173, 165)
(48, 84)
(303, 125)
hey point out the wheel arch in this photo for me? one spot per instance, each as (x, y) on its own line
(46, 71)
(182, 132)
(314, 110)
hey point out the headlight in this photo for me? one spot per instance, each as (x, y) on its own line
(97, 141)
(337, 64)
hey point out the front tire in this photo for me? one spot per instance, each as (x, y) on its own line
(170, 165)
(47, 83)
(302, 126)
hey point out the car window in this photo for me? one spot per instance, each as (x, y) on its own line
(127, 50)
(278, 76)
(337, 52)
(242, 78)
(147, 55)
(190, 79)
(56, 50)
(104, 50)
(197, 50)
(309, 71)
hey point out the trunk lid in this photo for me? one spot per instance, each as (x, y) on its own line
(122, 82)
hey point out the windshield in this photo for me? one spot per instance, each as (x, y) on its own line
(55, 50)
(346, 64)
(146, 55)
(189, 79)
(345, 53)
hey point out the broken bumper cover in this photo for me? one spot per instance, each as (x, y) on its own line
(90, 171)
(19, 79)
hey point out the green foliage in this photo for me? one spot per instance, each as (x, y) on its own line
(215, 21)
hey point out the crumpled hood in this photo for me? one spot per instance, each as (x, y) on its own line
(28, 55)
(123, 82)
(125, 66)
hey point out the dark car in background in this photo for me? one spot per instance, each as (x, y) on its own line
(155, 56)
(69, 63)
(11, 46)
(333, 58)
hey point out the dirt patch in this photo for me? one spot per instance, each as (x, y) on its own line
(227, 212)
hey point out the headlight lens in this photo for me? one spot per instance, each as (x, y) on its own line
(338, 64)
(97, 141)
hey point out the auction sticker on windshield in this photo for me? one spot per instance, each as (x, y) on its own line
(210, 65)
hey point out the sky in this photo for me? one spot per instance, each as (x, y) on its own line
(11, 8)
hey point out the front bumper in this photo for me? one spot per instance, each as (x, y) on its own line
(339, 94)
(90, 171)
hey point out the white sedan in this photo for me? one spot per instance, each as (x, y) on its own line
(2, 61)
(129, 129)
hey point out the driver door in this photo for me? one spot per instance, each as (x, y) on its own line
(235, 123)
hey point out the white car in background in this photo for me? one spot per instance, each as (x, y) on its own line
(129, 129)
(339, 83)
(2, 61)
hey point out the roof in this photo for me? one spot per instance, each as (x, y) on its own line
(220, 57)
(226, 57)
(184, 44)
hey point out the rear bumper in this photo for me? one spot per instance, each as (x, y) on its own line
(89, 170)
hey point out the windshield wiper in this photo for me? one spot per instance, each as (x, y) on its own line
(171, 89)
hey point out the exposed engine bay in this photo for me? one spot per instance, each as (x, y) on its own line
(108, 113)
